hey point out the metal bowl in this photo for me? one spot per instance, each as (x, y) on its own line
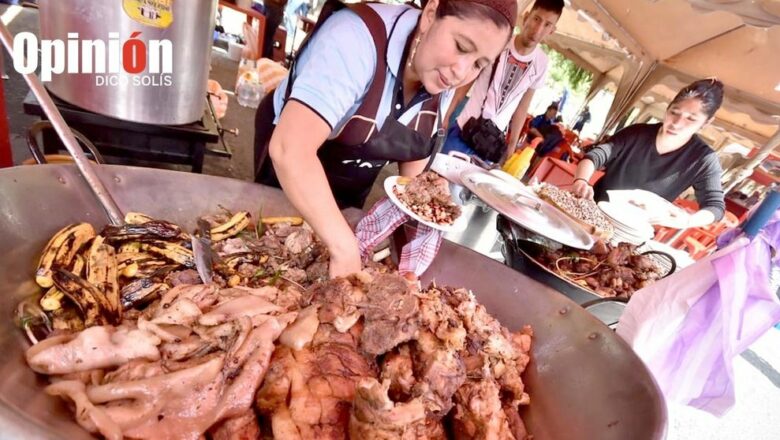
(584, 381)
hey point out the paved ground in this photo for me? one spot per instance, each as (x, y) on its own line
(754, 416)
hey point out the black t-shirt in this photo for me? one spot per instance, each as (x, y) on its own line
(631, 161)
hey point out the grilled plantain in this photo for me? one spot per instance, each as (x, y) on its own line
(170, 251)
(295, 221)
(68, 319)
(140, 292)
(130, 270)
(136, 218)
(61, 249)
(79, 263)
(127, 248)
(94, 306)
(236, 224)
(102, 273)
(150, 230)
(52, 300)
(124, 259)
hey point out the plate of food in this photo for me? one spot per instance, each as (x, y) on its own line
(427, 199)
(584, 211)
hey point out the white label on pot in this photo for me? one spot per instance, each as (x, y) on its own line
(157, 13)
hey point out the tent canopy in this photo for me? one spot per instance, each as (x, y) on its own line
(661, 45)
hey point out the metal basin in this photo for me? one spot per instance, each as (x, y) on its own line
(584, 381)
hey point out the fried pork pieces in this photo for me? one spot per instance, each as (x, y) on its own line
(428, 195)
(364, 357)
(610, 271)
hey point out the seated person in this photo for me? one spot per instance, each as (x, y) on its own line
(543, 121)
(665, 158)
(552, 139)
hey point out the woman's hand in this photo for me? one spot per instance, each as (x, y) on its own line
(294, 155)
(345, 259)
(582, 189)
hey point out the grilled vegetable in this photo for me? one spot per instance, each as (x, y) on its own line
(102, 273)
(156, 271)
(67, 318)
(295, 221)
(234, 260)
(61, 249)
(170, 251)
(130, 270)
(150, 230)
(136, 218)
(140, 292)
(91, 301)
(127, 248)
(52, 300)
(79, 263)
(124, 259)
(236, 224)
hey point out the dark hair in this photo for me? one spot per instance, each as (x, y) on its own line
(549, 5)
(469, 9)
(708, 91)
(553, 106)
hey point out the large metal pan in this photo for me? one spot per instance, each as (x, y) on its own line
(585, 382)
(521, 254)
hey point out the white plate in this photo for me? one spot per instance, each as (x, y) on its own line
(658, 210)
(628, 219)
(392, 181)
(452, 166)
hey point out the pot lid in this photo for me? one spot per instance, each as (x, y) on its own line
(521, 205)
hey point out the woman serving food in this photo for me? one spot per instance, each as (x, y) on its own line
(370, 86)
(665, 158)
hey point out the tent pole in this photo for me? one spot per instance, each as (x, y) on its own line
(747, 169)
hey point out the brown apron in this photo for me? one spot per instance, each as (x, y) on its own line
(354, 158)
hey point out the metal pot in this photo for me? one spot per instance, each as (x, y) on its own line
(584, 381)
(521, 255)
(142, 97)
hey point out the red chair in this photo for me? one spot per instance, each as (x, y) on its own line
(558, 172)
(688, 205)
(571, 137)
(663, 234)
(700, 242)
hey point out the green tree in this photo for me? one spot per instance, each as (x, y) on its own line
(565, 71)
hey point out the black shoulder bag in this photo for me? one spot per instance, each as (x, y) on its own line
(482, 134)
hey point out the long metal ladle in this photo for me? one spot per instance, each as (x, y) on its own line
(62, 129)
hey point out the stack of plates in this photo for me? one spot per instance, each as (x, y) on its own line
(631, 224)
(658, 210)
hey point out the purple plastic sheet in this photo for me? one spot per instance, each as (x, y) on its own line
(689, 327)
